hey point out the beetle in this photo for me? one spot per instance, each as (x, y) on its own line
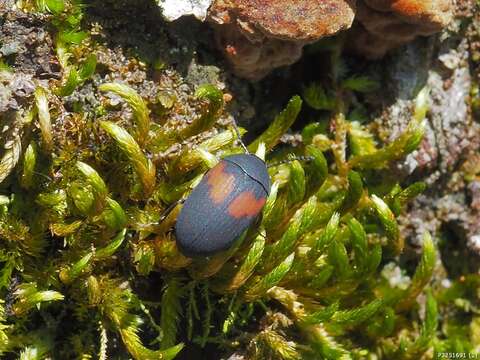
(225, 203)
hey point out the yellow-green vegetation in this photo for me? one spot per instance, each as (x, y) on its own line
(88, 270)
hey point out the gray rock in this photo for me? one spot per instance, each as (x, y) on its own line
(452, 136)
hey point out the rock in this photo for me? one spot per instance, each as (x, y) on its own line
(15, 88)
(23, 35)
(446, 159)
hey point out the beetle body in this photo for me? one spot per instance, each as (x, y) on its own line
(226, 202)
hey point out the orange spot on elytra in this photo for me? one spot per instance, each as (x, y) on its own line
(221, 183)
(246, 205)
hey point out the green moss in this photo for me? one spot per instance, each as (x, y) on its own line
(90, 269)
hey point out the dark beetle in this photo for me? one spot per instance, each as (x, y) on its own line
(226, 202)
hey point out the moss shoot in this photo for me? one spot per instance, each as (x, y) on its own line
(88, 270)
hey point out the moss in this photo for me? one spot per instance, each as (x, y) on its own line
(90, 266)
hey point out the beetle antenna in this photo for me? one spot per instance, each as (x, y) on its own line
(43, 175)
(169, 209)
(237, 131)
(299, 158)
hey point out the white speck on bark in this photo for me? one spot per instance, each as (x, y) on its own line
(475, 241)
(174, 9)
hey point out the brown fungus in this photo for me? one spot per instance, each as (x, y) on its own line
(382, 25)
(257, 36)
